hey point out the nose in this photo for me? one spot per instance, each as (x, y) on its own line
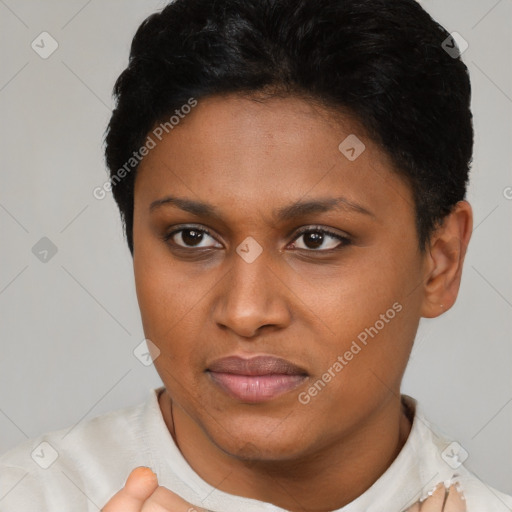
(252, 298)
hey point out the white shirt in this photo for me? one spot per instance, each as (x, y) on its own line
(81, 469)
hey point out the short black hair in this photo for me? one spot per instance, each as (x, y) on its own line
(382, 61)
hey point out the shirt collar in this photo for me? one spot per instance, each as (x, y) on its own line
(416, 470)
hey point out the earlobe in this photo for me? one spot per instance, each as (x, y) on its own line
(446, 255)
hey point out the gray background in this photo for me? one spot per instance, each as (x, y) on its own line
(69, 325)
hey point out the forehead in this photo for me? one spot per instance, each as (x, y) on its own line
(237, 152)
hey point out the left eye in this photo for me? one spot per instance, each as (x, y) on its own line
(316, 238)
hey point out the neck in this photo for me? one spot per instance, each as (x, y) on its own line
(327, 480)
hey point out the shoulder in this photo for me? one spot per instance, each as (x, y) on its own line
(479, 495)
(87, 438)
(80, 464)
(447, 458)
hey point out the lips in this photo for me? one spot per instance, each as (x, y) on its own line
(256, 379)
(259, 365)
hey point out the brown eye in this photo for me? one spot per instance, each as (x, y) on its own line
(318, 240)
(313, 239)
(191, 238)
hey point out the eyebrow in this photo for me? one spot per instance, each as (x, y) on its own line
(296, 209)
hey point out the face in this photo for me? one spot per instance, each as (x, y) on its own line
(255, 235)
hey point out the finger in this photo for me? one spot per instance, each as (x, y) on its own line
(435, 502)
(141, 483)
(455, 501)
(164, 500)
(139, 486)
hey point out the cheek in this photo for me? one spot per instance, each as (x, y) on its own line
(372, 318)
(363, 366)
(355, 298)
(164, 291)
(170, 322)
(164, 304)
(372, 337)
(173, 302)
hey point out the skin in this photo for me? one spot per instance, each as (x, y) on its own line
(247, 159)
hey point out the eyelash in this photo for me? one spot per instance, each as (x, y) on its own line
(318, 229)
(308, 229)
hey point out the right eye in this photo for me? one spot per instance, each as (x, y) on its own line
(191, 237)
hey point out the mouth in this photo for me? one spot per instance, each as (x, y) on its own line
(257, 379)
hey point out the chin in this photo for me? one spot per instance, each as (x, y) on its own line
(265, 439)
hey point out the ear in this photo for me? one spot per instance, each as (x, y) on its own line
(444, 260)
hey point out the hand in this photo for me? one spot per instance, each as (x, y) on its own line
(142, 493)
(442, 500)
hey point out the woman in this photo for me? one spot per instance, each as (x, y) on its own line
(292, 177)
